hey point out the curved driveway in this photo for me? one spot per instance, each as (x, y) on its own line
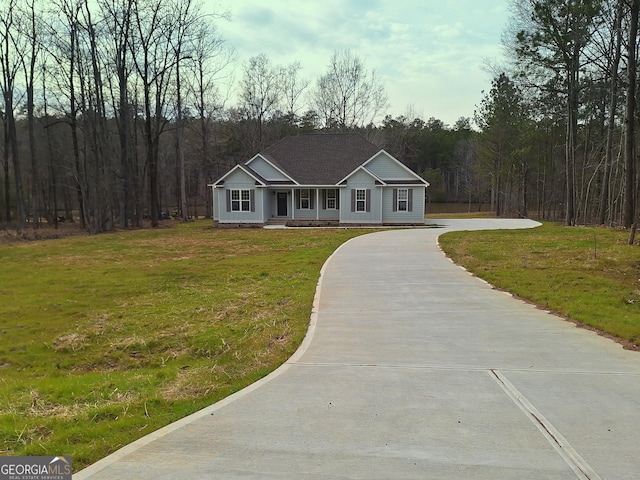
(412, 368)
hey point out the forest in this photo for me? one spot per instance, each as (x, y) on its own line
(119, 112)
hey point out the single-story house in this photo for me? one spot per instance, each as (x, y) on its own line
(320, 179)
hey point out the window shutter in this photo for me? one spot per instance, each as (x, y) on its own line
(228, 200)
(252, 200)
(368, 199)
(324, 199)
(297, 198)
(410, 201)
(353, 200)
(395, 200)
(337, 198)
(312, 199)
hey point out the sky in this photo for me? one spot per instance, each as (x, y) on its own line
(431, 55)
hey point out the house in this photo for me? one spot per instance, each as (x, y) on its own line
(320, 179)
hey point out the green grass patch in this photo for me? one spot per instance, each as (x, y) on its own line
(589, 275)
(107, 338)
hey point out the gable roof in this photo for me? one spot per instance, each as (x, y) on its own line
(320, 159)
(259, 180)
(273, 164)
(362, 168)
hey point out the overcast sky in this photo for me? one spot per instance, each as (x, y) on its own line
(430, 54)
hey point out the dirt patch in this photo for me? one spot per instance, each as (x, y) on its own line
(46, 231)
(69, 342)
(43, 232)
(188, 384)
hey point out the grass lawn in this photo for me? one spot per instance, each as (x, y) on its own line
(589, 275)
(107, 338)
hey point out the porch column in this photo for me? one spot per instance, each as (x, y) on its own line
(213, 202)
(293, 204)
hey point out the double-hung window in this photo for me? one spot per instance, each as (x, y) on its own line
(361, 200)
(240, 201)
(403, 199)
(305, 200)
(332, 202)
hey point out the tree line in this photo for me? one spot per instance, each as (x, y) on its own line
(558, 127)
(117, 112)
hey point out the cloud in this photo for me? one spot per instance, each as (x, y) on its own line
(446, 31)
(430, 54)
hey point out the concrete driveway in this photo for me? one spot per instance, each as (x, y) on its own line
(412, 368)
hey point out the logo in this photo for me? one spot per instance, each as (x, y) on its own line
(35, 468)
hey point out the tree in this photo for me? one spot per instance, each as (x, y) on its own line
(502, 118)
(630, 118)
(11, 44)
(96, 131)
(210, 59)
(348, 95)
(292, 88)
(29, 66)
(630, 121)
(613, 55)
(261, 91)
(554, 40)
(154, 59)
(186, 18)
(64, 33)
(119, 30)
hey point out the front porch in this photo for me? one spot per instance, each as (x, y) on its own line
(302, 206)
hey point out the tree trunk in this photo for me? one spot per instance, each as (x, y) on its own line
(5, 165)
(184, 209)
(570, 157)
(30, 75)
(629, 120)
(613, 106)
(13, 143)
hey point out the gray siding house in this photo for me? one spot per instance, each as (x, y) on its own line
(320, 179)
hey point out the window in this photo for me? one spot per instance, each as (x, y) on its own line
(403, 199)
(332, 197)
(305, 203)
(240, 200)
(361, 200)
(246, 201)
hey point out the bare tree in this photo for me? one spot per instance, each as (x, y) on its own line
(95, 117)
(613, 55)
(154, 59)
(260, 91)
(64, 33)
(630, 120)
(292, 88)
(118, 26)
(12, 43)
(208, 73)
(31, 30)
(349, 95)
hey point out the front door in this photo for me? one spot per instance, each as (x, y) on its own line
(282, 204)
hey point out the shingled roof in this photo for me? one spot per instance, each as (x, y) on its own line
(320, 159)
